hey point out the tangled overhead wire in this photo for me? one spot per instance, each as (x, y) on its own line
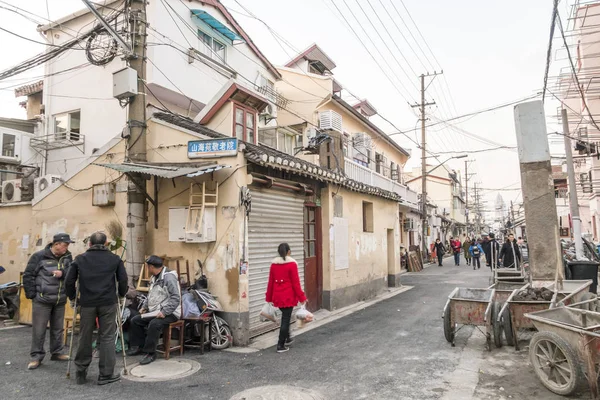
(101, 48)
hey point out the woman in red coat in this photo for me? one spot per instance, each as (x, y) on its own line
(285, 292)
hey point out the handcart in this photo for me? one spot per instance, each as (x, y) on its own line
(469, 307)
(566, 350)
(503, 292)
(569, 292)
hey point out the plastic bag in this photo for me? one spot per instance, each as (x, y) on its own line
(304, 315)
(190, 306)
(269, 313)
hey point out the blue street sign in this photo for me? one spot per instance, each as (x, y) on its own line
(212, 148)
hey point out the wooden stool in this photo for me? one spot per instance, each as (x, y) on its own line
(167, 347)
(68, 322)
(204, 326)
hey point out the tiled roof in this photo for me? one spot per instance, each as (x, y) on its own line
(27, 90)
(269, 157)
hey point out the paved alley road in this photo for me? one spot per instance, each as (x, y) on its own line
(394, 349)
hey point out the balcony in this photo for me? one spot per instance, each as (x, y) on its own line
(364, 175)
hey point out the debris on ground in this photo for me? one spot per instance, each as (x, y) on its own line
(534, 294)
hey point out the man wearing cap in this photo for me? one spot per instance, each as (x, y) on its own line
(43, 282)
(97, 270)
(162, 307)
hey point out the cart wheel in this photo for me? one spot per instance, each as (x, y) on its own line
(448, 327)
(556, 363)
(497, 325)
(507, 325)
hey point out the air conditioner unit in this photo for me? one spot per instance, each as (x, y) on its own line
(330, 120)
(409, 225)
(42, 183)
(11, 191)
(270, 112)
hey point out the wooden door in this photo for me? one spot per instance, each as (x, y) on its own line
(313, 275)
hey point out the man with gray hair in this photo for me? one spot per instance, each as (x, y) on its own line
(98, 270)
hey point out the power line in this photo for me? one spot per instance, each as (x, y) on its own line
(31, 40)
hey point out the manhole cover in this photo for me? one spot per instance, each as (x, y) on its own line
(278, 392)
(162, 370)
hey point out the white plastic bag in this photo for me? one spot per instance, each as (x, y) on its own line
(190, 306)
(269, 313)
(304, 315)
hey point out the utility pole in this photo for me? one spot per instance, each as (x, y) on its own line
(136, 144)
(573, 202)
(424, 160)
(135, 54)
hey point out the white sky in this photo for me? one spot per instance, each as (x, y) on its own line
(491, 53)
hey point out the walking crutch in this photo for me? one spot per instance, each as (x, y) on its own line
(72, 333)
(120, 322)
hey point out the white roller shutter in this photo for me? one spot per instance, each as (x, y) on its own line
(276, 217)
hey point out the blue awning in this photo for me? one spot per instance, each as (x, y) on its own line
(215, 24)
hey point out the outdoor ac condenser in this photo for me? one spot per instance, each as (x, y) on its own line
(42, 183)
(11, 191)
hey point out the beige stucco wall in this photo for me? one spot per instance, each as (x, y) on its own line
(66, 209)
(368, 270)
(222, 121)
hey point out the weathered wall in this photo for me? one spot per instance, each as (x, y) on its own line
(221, 258)
(66, 209)
(368, 272)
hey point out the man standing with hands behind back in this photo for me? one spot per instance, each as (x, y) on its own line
(43, 283)
(97, 270)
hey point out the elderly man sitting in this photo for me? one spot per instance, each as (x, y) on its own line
(162, 307)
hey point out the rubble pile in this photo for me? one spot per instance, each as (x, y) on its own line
(534, 294)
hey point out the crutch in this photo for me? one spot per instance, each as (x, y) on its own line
(72, 333)
(120, 322)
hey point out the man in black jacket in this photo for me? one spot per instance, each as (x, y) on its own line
(97, 270)
(43, 282)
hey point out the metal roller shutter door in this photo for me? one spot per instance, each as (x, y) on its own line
(276, 217)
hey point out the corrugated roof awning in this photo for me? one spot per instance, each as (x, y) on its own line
(166, 171)
(216, 25)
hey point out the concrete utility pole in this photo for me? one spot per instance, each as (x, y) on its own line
(574, 203)
(538, 192)
(424, 161)
(136, 144)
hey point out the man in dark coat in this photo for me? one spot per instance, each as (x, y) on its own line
(439, 251)
(43, 282)
(97, 271)
(493, 252)
(510, 253)
(485, 245)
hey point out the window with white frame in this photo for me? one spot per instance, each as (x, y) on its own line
(283, 140)
(67, 126)
(9, 145)
(211, 46)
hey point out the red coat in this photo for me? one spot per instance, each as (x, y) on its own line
(284, 288)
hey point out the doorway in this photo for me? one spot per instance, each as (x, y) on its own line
(313, 270)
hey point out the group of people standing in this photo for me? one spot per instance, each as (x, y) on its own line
(509, 255)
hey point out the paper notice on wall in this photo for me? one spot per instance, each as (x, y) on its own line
(25, 242)
(341, 248)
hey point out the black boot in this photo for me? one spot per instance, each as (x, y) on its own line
(133, 351)
(103, 380)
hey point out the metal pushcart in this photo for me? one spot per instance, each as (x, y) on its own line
(566, 350)
(469, 307)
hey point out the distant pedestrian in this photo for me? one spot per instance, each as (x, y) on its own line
(486, 246)
(494, 251)
(285, 292)
(43, 283)
(97, 271)
(466, 246)
(510, 253)
(440, 249)
(476, 251)
(456, 247)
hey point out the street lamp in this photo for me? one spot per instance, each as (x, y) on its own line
(424, 199)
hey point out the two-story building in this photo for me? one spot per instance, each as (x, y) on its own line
(227, 180)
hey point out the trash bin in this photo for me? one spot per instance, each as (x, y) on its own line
(584, 270)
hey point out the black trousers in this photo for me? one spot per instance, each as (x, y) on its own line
(440, 257)
(476, 260)
(284, 330)
(145, 332)
(106, 338)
